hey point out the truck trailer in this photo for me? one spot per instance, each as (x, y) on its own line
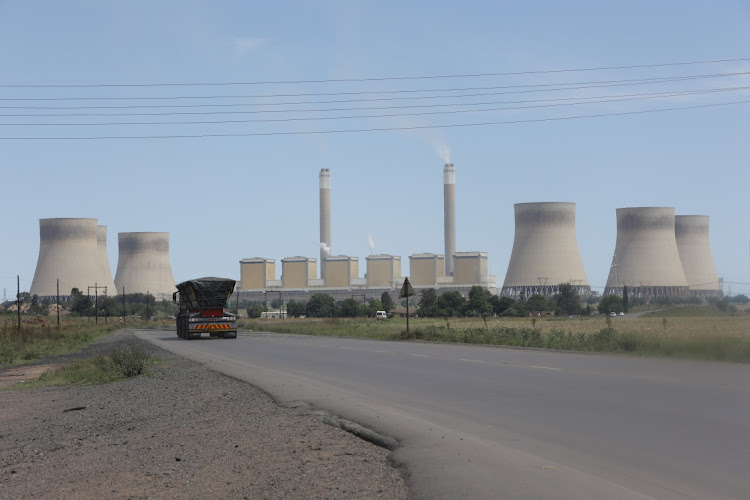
(203, 308)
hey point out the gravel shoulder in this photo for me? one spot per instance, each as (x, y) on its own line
(183, 432)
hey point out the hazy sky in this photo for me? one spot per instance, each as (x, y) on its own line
(229, 197)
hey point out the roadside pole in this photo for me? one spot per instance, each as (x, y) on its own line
(406, 291)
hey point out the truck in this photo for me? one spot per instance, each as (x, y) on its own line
(203, 308)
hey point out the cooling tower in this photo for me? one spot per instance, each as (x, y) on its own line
(325, 219)
(691, 232)
(646, 258)
(449, 215)
(143, 264)
(545, 251)
(68, 252)
(104, 272)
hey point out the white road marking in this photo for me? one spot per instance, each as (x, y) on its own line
(421, 355)
(545, 368)
(378, 350)
(472, 360)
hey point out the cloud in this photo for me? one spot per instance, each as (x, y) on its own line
(244, 45)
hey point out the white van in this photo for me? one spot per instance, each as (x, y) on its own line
(381, 315)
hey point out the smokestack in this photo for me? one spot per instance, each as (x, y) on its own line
(68, 252)
(325, 219)
(103, 269)
(143, 264)
(646, 258)
(449, 217)
(545, 251)
(691, 232)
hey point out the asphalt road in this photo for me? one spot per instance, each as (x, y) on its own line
(485, 422)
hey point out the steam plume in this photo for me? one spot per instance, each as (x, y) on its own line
(371, 243)
(326, 249)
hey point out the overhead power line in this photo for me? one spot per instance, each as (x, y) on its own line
(349, 117)
(643, 95)
(375, 79)
(379, 129)
(546, 86)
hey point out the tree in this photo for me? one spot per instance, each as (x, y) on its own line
(36, 306)
(320, 305)
(501, 304)
(538, 303)
(373, 305)
(349, 307)
(479, 301)
(81, 304)
(610, 304)
(387, 302)
(295, 309)
(450, 304)
(567, 299)
(625, 299)
(254, 311)
(428, 302)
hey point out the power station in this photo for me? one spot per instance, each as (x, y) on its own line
(691, 233)
(143, 264)
(646, 259)
(657, 254)
(545, 251)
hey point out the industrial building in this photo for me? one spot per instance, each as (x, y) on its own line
(143, 265)
(449, 216)
(341, 271)
(325, 219)
(298, 272)
(68, 251)
(646, 258)
(257, 273)
(694, 247)
(545, 251)
(383, 271)
(426, 269)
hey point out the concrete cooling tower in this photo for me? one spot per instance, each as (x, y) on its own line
(449, 216)
(691, 232)
(646, 258)
(68, 252)
(545, 251)
(143, 264)
(325, 219)
(104, 271)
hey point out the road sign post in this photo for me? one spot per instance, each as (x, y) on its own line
(406, 291)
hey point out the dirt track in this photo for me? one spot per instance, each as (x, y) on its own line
(187, 432)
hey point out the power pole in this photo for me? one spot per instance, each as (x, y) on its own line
(124, 313)
(18, 299)
(96, 288)
(148, 292)
(58, 303)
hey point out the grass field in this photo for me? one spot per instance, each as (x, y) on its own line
(701, 336)
(40, 337)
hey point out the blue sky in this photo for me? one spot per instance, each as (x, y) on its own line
(225, 198)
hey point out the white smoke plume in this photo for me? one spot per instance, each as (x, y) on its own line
(444, 152)
(371, 244)
(326, 249)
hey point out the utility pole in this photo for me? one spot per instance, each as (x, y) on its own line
(124, 313)
(18, 299)
(58, 303)
(148, 292)
(96, 288)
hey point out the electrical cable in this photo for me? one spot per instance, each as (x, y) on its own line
(379, 129)
(378, 79)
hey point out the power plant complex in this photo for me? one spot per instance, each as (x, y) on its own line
(657, 254)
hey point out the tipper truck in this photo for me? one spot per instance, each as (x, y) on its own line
(203, 303)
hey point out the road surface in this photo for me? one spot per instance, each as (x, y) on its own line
(487, 422)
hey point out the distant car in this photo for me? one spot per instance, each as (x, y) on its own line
(381, 315)
(613, 314)
(622, 313)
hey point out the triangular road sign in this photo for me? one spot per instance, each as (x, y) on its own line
(406, 290)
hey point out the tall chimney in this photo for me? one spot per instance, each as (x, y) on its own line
(325, 219)
(449, 205)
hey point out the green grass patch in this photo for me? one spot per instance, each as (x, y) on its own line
(118, 365)
(34, 341)
(708, 338)
(687, 312)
